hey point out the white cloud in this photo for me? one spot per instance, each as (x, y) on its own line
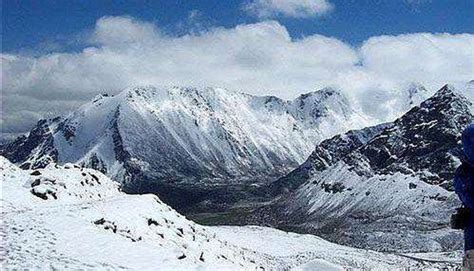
(288, 8)
(123, 30)
(422, 56)
(257, 58)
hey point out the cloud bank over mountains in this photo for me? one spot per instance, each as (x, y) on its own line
(258, 58)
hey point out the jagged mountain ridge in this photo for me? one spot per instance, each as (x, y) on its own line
(183, 136)
(400, 146)
(386, 187)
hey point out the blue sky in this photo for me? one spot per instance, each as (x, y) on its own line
(57, 55)
(40, 24)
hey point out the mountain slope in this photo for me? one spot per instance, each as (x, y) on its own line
(72, 217)
(68, 217)
(386, 187)
(184, 141)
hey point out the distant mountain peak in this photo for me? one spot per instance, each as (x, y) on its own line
(447, 89)
(416, 94)
(386, 179)
(321, 94)
(151, 136)
(447, 100)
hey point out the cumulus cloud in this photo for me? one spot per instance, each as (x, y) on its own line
(421, 56)
(288, 8)
(259, 58)
(123, 30)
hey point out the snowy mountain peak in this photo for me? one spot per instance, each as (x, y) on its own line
(387, 178)
(314, 106)
(416, 94)
(321, 94)
(34, 149)
(446, 90)
(451, 92)
(448, 106)
(101, 96)
(151, 137)
(322, 97)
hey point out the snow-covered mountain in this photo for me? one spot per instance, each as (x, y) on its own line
(387, 187)
(415, 94)
(178, 141)
(69, 217)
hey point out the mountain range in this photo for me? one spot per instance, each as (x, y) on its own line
(386, 187)
(315, 164)
(187, 144)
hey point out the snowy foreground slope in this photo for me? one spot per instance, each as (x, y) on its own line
(387, 187)
(67, 217)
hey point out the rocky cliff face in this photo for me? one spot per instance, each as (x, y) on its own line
(36, 149)
(386, 187)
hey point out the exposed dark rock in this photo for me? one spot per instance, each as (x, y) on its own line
(35, 173)
(151, 221)
(38, 141)
(100, 221)
(35, 183)
(201, 258)
(94, 177)
(39, 195)
(43, 195)
(326, 153)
